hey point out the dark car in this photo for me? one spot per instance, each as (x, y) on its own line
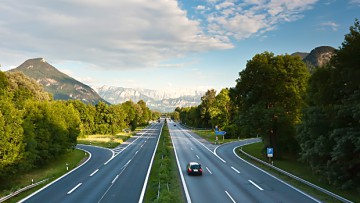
(194, 168)
(174, 124)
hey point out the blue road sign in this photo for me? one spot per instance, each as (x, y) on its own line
(220, 132)
(270, 152)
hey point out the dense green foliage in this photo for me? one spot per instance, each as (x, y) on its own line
(35, 129)
(329, 135)
(313, 116)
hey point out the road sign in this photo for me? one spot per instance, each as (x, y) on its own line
(220, 132)
(270, 152)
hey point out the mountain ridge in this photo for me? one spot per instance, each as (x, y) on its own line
(60, 85)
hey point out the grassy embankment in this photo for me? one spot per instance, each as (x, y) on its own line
(301, 170)
(164, 171)
(51, 171)
(108, 141)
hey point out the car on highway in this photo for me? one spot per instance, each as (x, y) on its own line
(174, 124)
(193, 168)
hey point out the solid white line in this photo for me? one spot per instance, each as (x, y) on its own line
(208, 170)
(94, 172)
(141, 199)
(72, 190)
(197, 156)
(115, 179)
(230, 196)
(255, 185)
(235, 169)
(188, 199)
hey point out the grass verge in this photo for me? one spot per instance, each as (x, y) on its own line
(301, 170)
(51, 171)
(164, 172)
(108, 141)
(210, 136)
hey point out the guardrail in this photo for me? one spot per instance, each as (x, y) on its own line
(297, 178)
(21, 190)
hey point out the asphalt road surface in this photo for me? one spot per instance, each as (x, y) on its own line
(226, 177)
(118, 175)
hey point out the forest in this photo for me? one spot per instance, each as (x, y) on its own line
(314, 117)
(35, 128)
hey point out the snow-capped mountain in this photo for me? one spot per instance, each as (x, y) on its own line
(162, 100)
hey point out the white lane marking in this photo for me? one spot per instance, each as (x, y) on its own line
(72, 190)
(141, 199)
(230, 196)
(136, 152)
(188, 199)
(115, 179)
(128, 162)
(197, 156)
(235, 169)
(274, 176)
(93, 173)
(191, 148)
(255, 185)
(204, 146)
(208, 170)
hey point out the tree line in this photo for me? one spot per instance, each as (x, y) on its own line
(34, 128)
(313, 117)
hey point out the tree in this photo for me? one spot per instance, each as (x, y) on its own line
(220, 109)
(269, 96)
(12, 146)
(206, 103)
(329, 135)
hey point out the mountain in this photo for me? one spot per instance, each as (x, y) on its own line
(164, 101)
(318, 57)
(60, 85)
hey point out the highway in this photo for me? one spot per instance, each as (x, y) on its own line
(226, 177)
(118, 175)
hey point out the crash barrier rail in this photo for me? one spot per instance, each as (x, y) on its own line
(297, 178)
(21, 190)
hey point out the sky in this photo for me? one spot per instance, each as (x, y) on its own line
(166, 44)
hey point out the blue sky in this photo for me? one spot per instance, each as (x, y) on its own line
(166, 44)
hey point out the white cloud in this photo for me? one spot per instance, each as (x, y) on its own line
(200, 7)
(253, 17)
(355, 2)
(331, 25)
(110, 34)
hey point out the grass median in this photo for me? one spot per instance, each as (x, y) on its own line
(51, 171)
(164, 182)
(300, 170)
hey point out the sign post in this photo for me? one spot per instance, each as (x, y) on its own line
(270, 153)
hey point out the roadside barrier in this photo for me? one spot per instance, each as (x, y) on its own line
(22, 190)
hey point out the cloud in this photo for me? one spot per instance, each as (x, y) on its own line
(331, 25)
(252, 17)
(355, 2)
(109, 34)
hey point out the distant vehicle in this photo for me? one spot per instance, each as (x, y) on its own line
(159, 121)
(174, 124)
(193, 168)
